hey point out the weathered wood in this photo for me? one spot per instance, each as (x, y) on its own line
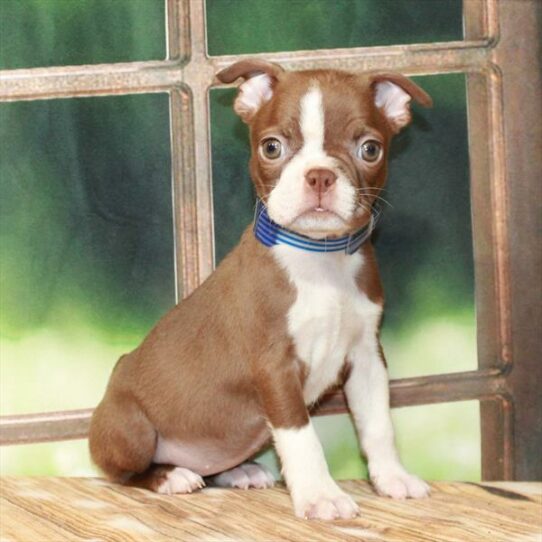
(77, 509)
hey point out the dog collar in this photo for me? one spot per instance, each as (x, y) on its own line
(269, 233)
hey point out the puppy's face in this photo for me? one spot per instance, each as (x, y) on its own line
(320, 141)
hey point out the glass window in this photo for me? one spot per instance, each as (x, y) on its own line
(67, 458)
(231, 181)
(86, 250)
(424, 242)
(441, 441)
(254, 26)
(64, 32)
(450, 433)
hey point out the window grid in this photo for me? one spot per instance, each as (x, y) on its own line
(188, 74)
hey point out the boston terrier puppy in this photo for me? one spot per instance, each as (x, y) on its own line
(292, 311)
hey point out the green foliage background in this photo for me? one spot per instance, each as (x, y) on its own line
(86, 245)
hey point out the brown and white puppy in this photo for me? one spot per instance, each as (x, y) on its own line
(239, 361)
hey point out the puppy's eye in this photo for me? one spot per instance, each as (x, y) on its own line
(370, 150)
(271, 148)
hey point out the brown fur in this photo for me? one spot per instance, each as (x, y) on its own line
(220, 365)
(195, 376)
(151, 478)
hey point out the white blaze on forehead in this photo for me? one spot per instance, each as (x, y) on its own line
(290, 198)
(312, 120)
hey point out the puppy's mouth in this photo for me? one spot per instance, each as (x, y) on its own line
(319, 212)
(318, 222)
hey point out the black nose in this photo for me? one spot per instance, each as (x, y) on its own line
(320, 179)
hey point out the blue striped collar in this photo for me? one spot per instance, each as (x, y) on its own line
(269, 233)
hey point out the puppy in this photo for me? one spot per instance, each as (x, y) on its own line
(293, 310)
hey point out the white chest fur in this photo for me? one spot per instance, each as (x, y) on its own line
(327, 318)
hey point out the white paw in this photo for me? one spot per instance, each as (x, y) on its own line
(398, 484)
(327, 506)
(245, 476)
(180, 480)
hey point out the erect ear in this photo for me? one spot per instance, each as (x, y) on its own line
(393, 93)
(260, 77)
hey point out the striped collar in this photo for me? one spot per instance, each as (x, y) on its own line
(269, 233)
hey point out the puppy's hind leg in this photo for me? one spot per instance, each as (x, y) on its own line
(123, 443)
(122, 440)
(167, 479)
(244, 476)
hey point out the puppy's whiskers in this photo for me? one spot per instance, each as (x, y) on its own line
(362, 192)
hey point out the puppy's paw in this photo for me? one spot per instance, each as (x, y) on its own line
(327, 506)
(179, 480)
(399, 484)
(245, 476)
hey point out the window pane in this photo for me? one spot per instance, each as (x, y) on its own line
(424, 240)
(436, 442)
(68, 458)
(86, 253)
(231, 181)
(64, 32)
(254, 26)
(442, 441)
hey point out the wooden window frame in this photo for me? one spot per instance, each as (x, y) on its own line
(504, 97)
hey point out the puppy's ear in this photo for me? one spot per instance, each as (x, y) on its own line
(260, 78)
(393, 93)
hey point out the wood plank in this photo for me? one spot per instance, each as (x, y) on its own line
(77, 509)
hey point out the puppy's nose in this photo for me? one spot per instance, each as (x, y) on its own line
(320, 179)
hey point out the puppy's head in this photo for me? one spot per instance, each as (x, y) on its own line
(320, 140)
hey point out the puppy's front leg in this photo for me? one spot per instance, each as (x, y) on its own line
(314, 493)
(367, 392)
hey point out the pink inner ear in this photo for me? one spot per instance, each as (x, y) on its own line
(394, 103)
(253, 93)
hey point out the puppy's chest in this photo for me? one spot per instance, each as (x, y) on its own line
(326, 319)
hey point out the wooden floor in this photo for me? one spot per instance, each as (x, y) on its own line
(87, 509)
